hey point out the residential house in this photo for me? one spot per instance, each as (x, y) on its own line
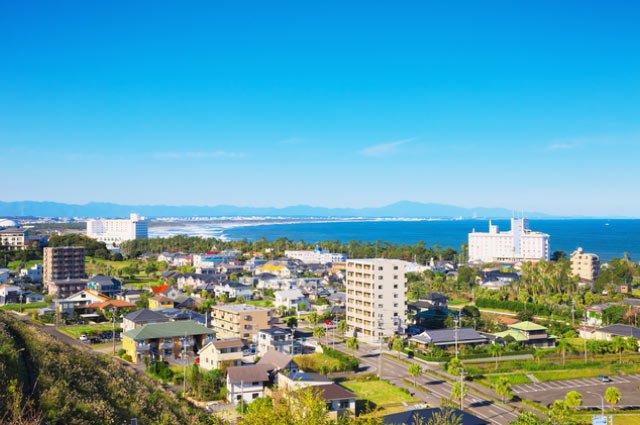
(175, 314)
(424, 416)
(277, 361)
(131, 295)
(160, 340)
(430, 301)
(291, 299)
(68, 305)
(32, 274)
(139, 318)
(246, 383)
(9, 294)
(192, 280)
(106, 285)
(447, 338)
(607, 333)
(239, 320)
(222, 352)
(595, 312)
(160, 289)
(338, 298)
(233, 290)
(271, 281)
(624, 288)
(5, 274)
(277, 339)
(107, 306)
(253, 263)
(530, 334)
(292, 381)
(279, 268)
(185, 301)
(160, 301)
(339, 400)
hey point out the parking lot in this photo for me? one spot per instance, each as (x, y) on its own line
(545, 393)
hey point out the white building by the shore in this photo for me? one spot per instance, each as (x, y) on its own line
(114, 232)
(316, 256)
(518, 244)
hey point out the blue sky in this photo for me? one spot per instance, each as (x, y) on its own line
(528, 105)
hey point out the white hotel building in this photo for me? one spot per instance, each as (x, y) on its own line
(518, 244)
(316, 256)
(113, 232)
(376, 298)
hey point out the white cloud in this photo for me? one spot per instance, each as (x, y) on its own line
(291, 141)
(197, 155)
(384, 149)
(561, 146)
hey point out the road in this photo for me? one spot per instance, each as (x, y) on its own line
(395, 371)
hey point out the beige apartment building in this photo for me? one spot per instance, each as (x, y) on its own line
(61, 263)
(14, 238)
(584, 265)
(376, 297)
(239, 320)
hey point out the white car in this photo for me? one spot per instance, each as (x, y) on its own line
(82, 337)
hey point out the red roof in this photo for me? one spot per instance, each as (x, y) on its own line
(160, 289)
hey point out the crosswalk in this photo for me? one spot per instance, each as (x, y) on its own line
(573, 383)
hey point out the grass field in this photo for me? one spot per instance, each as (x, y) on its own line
(25, 307)
(589, 372)
(76, 331)
(514, 379)
(313, 362)
(261, 303)
(15, 265)
(381, 394)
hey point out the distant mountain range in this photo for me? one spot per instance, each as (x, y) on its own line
(403, 209)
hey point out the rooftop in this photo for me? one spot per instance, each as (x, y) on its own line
(168, 330)
(240, 308)
(527, 326)
(621, 330)
(248, 374)
(426, 415)
(145, 315)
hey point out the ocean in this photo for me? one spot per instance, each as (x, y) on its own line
(607, 238)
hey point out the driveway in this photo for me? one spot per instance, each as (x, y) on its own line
(547, 392)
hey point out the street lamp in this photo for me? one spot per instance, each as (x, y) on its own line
(601, 398)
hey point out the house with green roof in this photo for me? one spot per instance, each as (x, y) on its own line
(161, 340)
(529, 333)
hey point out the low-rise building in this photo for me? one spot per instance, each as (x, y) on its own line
(246, 383)
(448, 338)
(277, 339)
(79, 299)
(316, 256)
(239, 320)
(425, 416)
(291, 299)
(14, 238)
(233, 290)
(160, 340)
(9, 294)
(139, 318)
(106, 285)
(607, 333)
(595, 312)
(222, 353)
(160, 301)
(530, 334)
(33, 273)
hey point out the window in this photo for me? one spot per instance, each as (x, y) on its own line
(395, 286)
(380, 297)
(395, 295)
(395, 304)
(380, 268)
(255, 395)
(395, 276)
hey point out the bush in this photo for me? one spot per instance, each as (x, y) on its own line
(121, 352)
(127, 357)
(349, 362)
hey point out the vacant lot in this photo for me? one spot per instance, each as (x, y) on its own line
(88, 330)
(380, 394)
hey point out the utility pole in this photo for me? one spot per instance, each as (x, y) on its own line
(455, 322)
(184, 362)
(461, 388)
(21, 297)
(573, 311)
(585, 350)
(380, 358)
(113, 333)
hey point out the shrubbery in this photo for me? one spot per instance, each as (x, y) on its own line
(349, 362)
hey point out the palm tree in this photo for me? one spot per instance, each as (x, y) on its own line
(415, 370)
(343, 327)
(612, 395)
(313, 318)
(398, 345)
(318, 332)
(502, 387)
(538, 354)
(496, 350)
(618, 344)
(563, 346)
(353, 343)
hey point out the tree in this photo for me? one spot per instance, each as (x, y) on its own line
(502, 387)
(398, 345)
(446, 416)
(318, 332)
(612, 395)
(458, 390)
(557, 255)
(573, 400)
(563, 346)
(353, 344)
(455, 367)
(292, 322)
(538, 354)
(618, 345)
(343, 327)
(528, 418)
(282, 310)
(415, 370)
(496, 350)
(313, 318)
(302, 307)
(559, 412)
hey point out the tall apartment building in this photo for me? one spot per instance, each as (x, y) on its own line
(518, 244)
(585, 266)
(12, 236)
(376, 297)
(63, 262)
(113, 232)
(239, 320)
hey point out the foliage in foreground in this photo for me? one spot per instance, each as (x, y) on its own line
(72, 387)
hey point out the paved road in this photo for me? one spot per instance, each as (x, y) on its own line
(545, 393)
(438, 388)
